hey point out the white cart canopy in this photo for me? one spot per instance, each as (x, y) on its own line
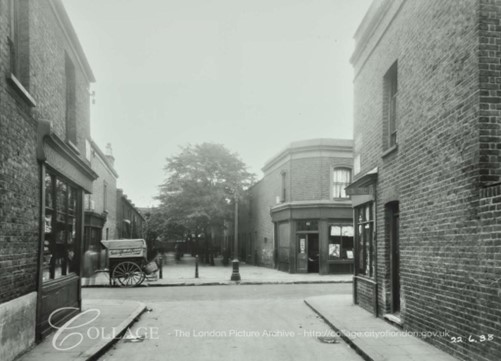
(123, 248)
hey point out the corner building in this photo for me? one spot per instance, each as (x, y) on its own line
(298, 217)
(427, 170)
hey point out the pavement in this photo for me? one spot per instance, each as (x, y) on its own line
(86, 337)
(373, 338)
(182, 273)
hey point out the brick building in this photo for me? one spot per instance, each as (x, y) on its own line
(297, 217)
(44, 128)
(426, 190)
(129, 220)
(101, 205)
(100, 209)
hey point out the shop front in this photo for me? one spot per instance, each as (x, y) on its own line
(64, 178)
(314, 238)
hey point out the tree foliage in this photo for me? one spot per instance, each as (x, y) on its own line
(202, 180)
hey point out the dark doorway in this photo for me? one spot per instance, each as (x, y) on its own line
(394, 224)
(313, 253)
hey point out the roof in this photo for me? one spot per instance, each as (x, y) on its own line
(98, 150)
(122, 195)
(322, 144)
(369, 24)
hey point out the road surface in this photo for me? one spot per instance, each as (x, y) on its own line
(255, 322)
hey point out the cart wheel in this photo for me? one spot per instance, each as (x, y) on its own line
(128, 274)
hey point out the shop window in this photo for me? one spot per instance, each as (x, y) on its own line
(341, 178)
(60, 228)
(340, 242)
(390, 90)
(364, 241)
(308, 225)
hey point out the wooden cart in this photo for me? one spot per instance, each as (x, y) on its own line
(126, 259)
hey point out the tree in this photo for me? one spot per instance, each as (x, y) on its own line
(201, 185)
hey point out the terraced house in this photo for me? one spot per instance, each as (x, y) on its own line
(44, 136)
(427, 170)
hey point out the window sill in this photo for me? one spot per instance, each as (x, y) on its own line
(21, 90)
(390, 150)
(365, 278)
(342, 200)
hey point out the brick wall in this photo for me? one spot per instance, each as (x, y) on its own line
(448, 142)
(311, 178)
(105, 177)
(49, 48)
(263, 197)
(19, 188)
(490, 90)
(125, 210)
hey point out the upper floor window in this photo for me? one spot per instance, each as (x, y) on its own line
(390, 84)
(71, 121)
(105, 196)
(19, 42)
(341, 178)
(283, 193)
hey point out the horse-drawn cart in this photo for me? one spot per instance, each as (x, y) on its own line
(127, 261)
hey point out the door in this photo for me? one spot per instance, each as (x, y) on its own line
(394, 256)
(302, 255)
(313, 253)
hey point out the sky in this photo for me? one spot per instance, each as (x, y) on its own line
(253, 75)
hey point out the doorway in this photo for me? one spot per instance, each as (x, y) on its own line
(394, 225)
(313, 253)
(308, 255)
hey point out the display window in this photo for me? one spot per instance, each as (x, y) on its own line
(59, 251)
(340, 242)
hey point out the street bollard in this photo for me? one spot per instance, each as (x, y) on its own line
(160, 264)
(196, 266)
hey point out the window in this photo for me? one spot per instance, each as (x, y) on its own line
(60, 228)
(390, 106)
(340, 242)
(105, 196)
(283, 195)
(18, 40)
(364, 228)
(71, 121)
(88, 150)
(341, 178)
(309, 225)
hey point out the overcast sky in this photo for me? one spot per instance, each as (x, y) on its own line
(253, 75)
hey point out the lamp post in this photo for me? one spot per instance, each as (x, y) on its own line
(235, 275)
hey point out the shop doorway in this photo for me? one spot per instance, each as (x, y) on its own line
(308, 255)
(313, 253)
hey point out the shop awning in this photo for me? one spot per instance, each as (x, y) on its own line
(363, 185)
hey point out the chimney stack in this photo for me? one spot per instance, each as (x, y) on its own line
(109, 154)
